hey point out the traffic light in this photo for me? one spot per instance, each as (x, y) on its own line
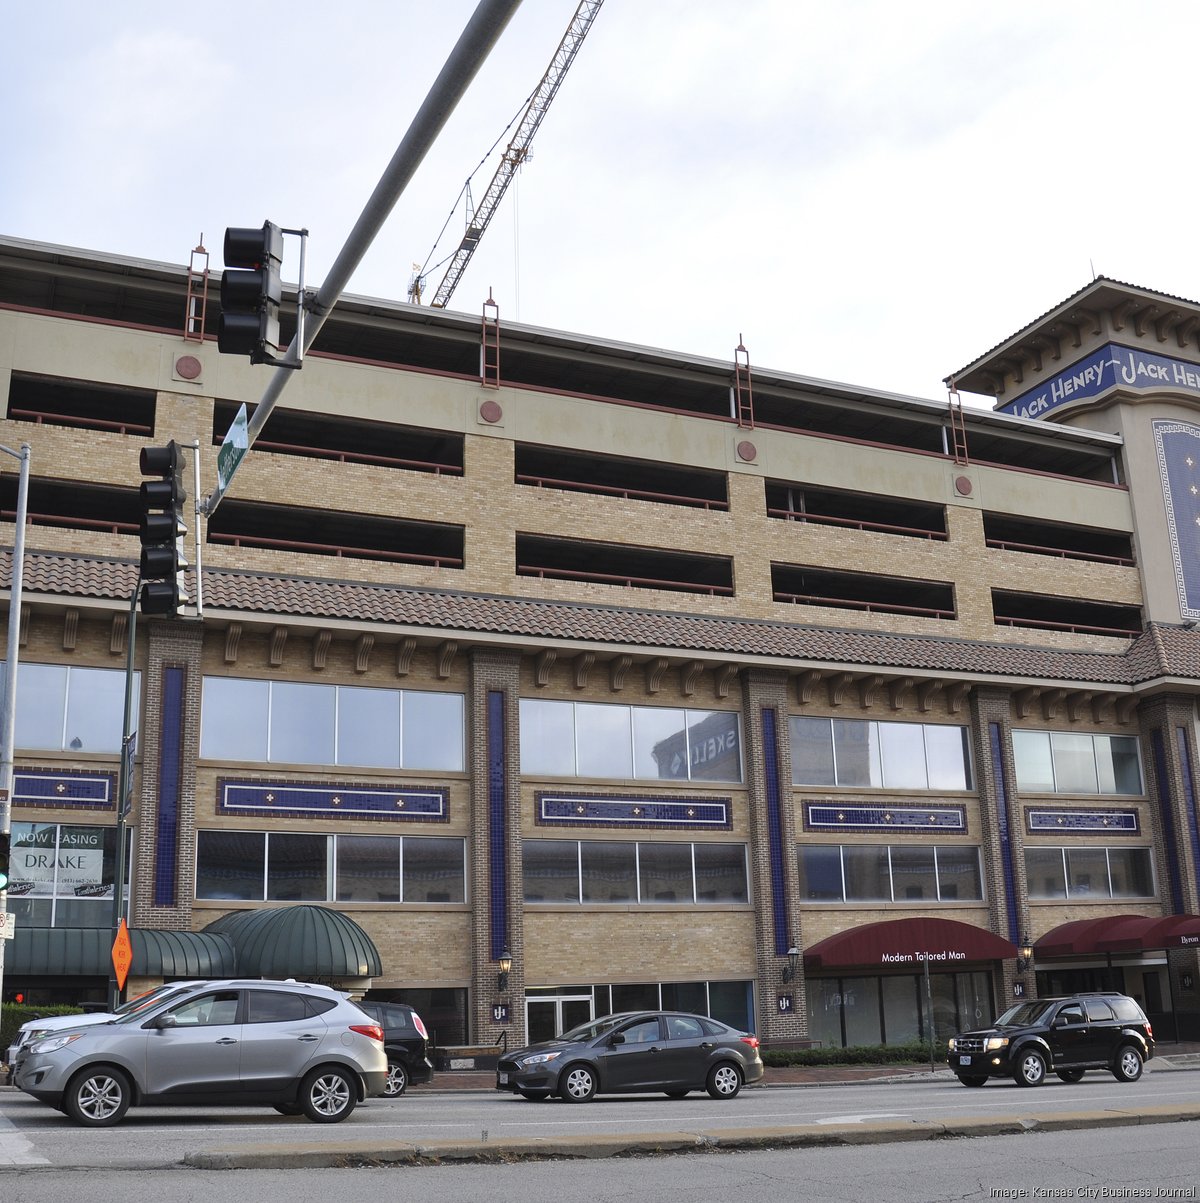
(163, 528)
(251, 291)
(5, 843)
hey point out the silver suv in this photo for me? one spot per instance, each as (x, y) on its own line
(302, 1049)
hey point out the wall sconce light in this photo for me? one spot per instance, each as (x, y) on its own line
(505, 965)
(1024, 955)
(789, 970)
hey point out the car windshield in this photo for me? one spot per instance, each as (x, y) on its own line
(133, 1010)
(589, 1031)
(1023, 1013)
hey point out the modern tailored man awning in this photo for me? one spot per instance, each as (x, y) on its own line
(898, 942)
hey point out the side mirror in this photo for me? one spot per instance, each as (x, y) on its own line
(1061, 1021)
(164, 1021)
(616, 1038)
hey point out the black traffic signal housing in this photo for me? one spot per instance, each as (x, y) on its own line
(163, 528)
(251, 293)
(5, 853)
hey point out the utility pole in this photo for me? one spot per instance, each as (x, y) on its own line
(8, 707)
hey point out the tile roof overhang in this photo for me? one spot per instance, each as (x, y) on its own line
(1161, 653)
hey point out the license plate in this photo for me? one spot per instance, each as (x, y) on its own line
(964, 1060)
(502, 1079)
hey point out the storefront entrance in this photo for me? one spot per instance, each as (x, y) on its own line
(548, 1015)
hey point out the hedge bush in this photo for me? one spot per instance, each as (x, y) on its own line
(14, 1014)
(915, 1052)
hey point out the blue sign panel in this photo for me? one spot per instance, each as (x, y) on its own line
(574, 810)
(887, 818)
(327, 801)
(1178, 448)
(77, 789)
(1104, 369)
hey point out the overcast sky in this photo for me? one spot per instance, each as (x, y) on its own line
(869, 191)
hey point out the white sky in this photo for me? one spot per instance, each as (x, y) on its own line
(870, 191)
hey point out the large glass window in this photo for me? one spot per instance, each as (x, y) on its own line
(624, 871)
(62, 875)
(1068, 762)
(1089, 872)
(67, 708)
(889, 873)
(287, 722)
(257, 866)
(879, 755)
(593, 739)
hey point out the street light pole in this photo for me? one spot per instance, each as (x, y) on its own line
(8, 706)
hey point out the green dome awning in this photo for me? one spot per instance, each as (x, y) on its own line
(300, 942)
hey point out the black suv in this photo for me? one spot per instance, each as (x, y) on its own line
(1066, 1036)
(406, 1043)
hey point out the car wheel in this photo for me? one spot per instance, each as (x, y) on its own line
(328, 1095)
(724, 1080)
(397, 1080)
(1069, 1075)
(1128, 1065)
(1031, 1069)
(577, 1084)
(676, 1094)
(534, 1096)
(973, 1079)
(98, 1098)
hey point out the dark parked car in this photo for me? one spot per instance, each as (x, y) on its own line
(633, 1053)
(1065, 1036)
(406, 1043)
(302, 1049)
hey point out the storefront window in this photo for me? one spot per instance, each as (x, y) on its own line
(879, 755)
(286, 722)
(61, 708)
(889, 873)
(593, 739)
(62, 875)
(1100, 873)
(606, 871)
(256, 866)
(1069, 763)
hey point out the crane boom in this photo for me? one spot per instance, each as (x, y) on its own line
(517, 149)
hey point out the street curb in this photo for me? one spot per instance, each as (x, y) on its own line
(360, 1153)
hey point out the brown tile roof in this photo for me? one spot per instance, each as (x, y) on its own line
(1161, 651)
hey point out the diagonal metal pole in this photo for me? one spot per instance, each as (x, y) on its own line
(8, 703)
(482, 31)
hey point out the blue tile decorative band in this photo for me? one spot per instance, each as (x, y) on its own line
(77, 789)
(592, 810)
(497, 823)
(1004, 835)
(1158, 746)
(386, 803)
(824, 816)
(1115, 822)
(779, 907)
(170, 769)
(1189, 796)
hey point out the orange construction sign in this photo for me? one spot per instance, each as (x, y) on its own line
(122, 955)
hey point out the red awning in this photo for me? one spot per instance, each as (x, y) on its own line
(1127, 934)
(900, 942)
(1083, 936)
(1175, 931)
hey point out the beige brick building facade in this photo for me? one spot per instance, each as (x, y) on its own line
(758, 676)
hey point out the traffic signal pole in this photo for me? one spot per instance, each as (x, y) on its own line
(8, 705)
(473, 46)
(124, 791)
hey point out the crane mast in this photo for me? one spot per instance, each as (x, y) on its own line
(518, 148)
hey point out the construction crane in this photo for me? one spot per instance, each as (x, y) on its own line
(514, 155)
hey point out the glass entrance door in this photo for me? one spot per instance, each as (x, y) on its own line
(548, 1015)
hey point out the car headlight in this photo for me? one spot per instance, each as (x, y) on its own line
(993, 1044)
(54, 1043)
(952, 1044)
(541, 1058)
